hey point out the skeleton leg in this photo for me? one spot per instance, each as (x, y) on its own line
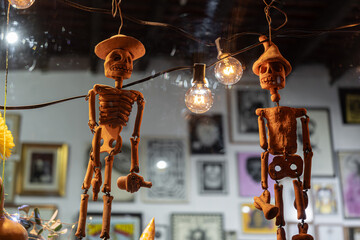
(80, 232)
(300, 204)
(109, 160)
(278, 189)
(106, 217)
(96, 181)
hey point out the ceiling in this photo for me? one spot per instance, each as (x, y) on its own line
(55, 36)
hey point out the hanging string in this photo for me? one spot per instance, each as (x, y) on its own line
(116, 8)
(267, 9)
(5, 100)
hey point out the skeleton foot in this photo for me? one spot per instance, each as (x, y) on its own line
(263, 203)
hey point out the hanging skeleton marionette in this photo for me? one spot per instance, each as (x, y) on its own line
(280, 141)
(116, 104)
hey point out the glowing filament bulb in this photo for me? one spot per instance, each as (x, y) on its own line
(198, 98)
(21, 4)
(228, 71)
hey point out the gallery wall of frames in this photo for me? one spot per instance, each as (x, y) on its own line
(205, 168)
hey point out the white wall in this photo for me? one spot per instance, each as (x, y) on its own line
(163, 116)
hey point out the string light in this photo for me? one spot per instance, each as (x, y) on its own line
(21, 4)
(198, 98)
(228, 70)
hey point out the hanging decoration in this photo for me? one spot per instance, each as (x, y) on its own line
(272, 68)
(198, 98)
(228, 70)
(119, 51)
(21, 4)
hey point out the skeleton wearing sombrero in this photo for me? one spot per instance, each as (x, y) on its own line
(116, 104)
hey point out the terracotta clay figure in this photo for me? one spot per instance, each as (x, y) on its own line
(280, 141)
(9, 230)
(116, 104)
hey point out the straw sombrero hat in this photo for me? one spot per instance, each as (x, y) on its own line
(120, 41)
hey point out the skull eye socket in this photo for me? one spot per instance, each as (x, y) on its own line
(117, 57)
(278, 67)
(263, 69)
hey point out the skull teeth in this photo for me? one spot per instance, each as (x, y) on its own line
(118, 68)
(270, 80)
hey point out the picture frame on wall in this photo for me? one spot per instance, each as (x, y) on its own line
(43, 169)
(352, 233)
(165, 164)
(349, 166)
(121, 167)
(350, 105)
(243, 101)
(122, 225)
(321, 142)
(206, 134)
(212, 177)
(195, 226)
(329, 232)
(13, 124)
(326, 197)
(254, 222)
(249, 174)
(9, 180)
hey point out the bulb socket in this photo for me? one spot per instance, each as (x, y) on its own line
(199, 73)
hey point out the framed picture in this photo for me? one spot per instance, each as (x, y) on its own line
(326, 195)
(161, 232)
(212, 177)
(13, 124)
(329, 232)
(121, 167)
(43, 169)
(349, 163)
(321, 142)
(292, 229)
(9, 180)
(197, 226)
(243, 101)
(206, 134)
(352, 233)
(230, 235)
(249, 174)
(254, 222)
(122, 225)
(350, 105)
(165, 162)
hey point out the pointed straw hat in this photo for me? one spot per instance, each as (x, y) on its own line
(271, 54)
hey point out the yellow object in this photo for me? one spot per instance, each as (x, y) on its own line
(149, 232)
(9, 140)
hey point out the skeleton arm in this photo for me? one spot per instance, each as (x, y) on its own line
(307, 151)
(264, 145)
(91, 97)
(136, 134)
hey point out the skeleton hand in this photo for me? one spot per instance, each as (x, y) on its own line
(92, 124)
(132, 182)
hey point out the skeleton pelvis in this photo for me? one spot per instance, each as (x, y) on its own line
(112, 141)
(286, 166)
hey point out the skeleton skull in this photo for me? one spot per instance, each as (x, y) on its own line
(118, 64)
(272, 75)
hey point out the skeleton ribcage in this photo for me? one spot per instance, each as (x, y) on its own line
(115, 109)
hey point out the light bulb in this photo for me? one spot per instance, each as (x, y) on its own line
(12, 37)
(21, 4)
(228, 71)
(198, 98)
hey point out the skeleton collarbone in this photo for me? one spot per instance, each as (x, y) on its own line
(115, 104)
